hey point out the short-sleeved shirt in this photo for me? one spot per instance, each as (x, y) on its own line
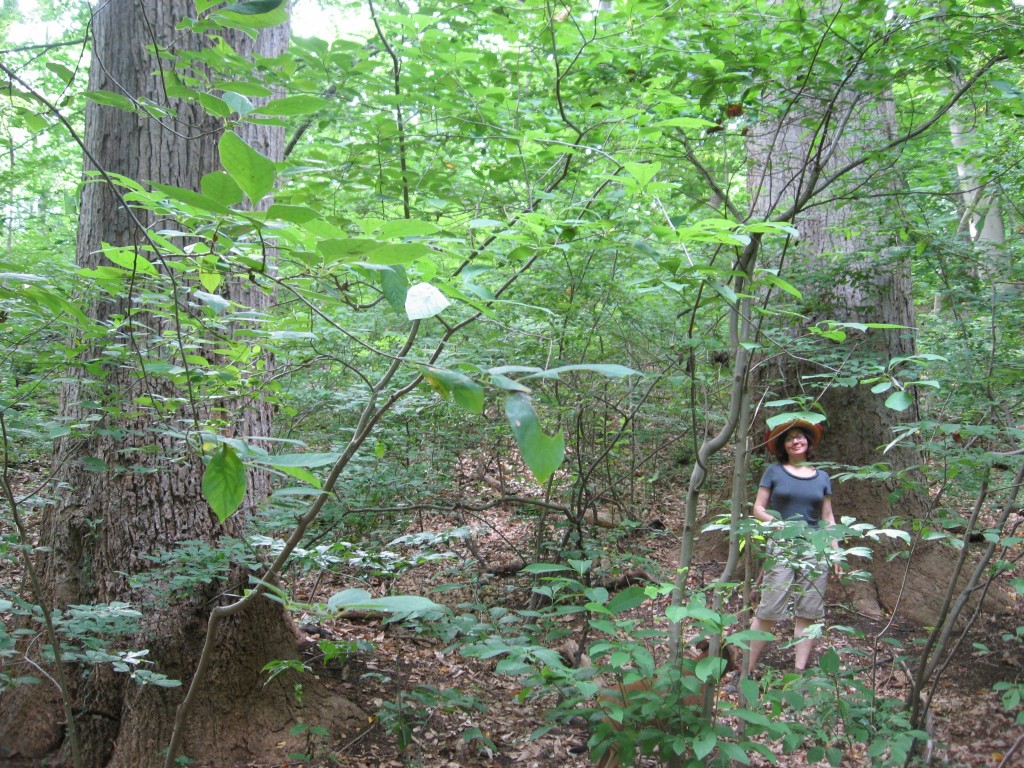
(796, 497)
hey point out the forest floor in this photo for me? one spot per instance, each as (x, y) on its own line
(969, 725)
(460, 713)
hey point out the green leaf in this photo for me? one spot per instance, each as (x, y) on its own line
(129, 259)
(238, 103)
(408, 228)
(642, 172)
(224, 482)
(217, 303)
(542, 568)
(360, 600)
(542, 454)
(111, 99)
(302, 104)
(606, 369)
(221, 189)
(686, 122)
(710, 667)
(253, 172)
(254, 7)
(193, 199)
(302, 474)
(293, 214)
(704, 744)
(397, 253)
(395, 286)
(627, 599)
(308, 460)
(899, 400)
(782, 418)
(829, 662)
(466, 393)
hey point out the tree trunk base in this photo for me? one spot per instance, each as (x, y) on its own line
(240, 715)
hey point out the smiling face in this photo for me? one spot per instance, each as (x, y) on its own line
(796, 444)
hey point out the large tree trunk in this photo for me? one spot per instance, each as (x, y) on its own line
(847, 268)
(131, 486)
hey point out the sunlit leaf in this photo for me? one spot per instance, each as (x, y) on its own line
(224, 482)
(301, 104)
(253, 172)
(452, 385)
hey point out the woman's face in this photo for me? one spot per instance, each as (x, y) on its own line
(796, 443)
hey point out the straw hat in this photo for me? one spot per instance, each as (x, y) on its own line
(814, 431)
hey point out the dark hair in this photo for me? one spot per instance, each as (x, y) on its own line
(780, 444)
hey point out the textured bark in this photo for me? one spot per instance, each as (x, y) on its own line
(825, 125)
(148, 500)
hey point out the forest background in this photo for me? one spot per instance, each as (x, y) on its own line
(469, 328)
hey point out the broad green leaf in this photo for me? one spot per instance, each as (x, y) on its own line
(542, 568)
(778, 282)
(704, 744)
(466, 393)
(424, 300)
(606, 369)
(340, 600)
(253, 172)
(686, 122)
(346, 248)
(361, 600)
(43, 297)
(542, 454)
(60, 71)
(214, 105)
(899, 400)
(254, 7)
(32, 121)
(642, 172)
(308, 460)
(710, 667)
(782, 418)
(627, 599)
(408, 228)
(509, 385)
(302, 474)
(224, 482)
(130, 259)
(193, 199)
(217, 303)
(111, 99)
(253, 19)
(397, 253)
(238, 103)
(294, 214)
(395, 285)
(220, 188)
(302, 104)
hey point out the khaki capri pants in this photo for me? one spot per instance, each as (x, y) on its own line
(794, 573)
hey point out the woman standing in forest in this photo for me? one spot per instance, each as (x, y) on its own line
(798, 494)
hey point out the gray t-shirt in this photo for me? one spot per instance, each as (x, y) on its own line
(796, 497)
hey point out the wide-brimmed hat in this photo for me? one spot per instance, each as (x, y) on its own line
(814, 431)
